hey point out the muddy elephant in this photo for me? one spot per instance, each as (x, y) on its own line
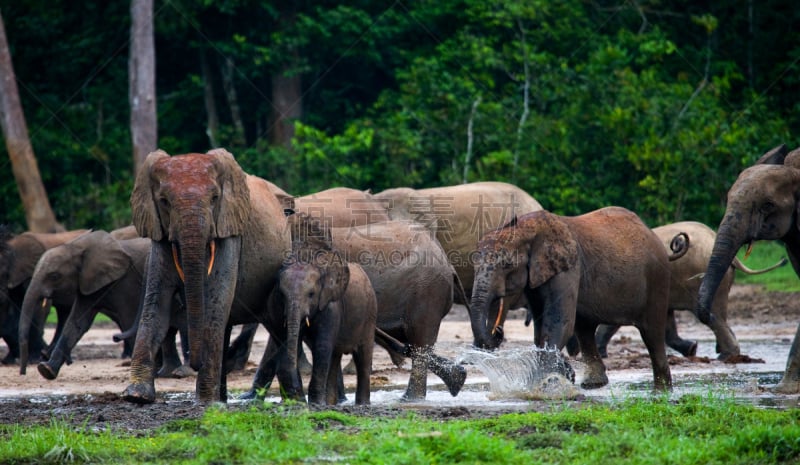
(94, 273)
(414, 285)
(219, 236)
(685, 277)
(329, 303)
(21, 253)
(575, 273)
(458, 216)
(762, 205)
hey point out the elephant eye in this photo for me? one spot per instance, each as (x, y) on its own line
(54, 276)
(163, 202)
(767, 207)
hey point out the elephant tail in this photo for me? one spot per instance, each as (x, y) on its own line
(459, 287)
(679, 245)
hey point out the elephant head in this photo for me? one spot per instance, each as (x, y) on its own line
(522, 255)
(82, 266)
(189, 203)
(313, 277)
(762, 204)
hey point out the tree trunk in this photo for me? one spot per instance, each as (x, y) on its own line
(287, 106)
(233, 103)
(212, 117)
(142, 78)
(38, 213)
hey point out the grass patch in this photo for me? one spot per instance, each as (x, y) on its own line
(694, 430)
(766, 254)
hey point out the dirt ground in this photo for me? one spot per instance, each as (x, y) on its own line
(87, 393)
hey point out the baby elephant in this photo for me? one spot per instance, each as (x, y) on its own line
(331, 305)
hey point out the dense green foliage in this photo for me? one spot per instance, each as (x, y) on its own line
(695, 430)
(653, 105)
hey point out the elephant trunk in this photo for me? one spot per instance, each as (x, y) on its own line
(728, 241)
(190, 262)
(293, 321)
(31, 319)
(480, 306)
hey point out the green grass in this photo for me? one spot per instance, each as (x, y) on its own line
(695, 430)
(765, 254)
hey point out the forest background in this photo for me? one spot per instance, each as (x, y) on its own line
(654, 105)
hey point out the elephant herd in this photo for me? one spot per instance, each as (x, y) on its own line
(342, 270)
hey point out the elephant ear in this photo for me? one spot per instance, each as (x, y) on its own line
(104, 262)
(775, 156)
(335, 280)
(553, 250)
(27, 251)
(234, 202)
(143, 205)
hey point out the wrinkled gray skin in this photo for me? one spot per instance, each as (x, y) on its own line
(329, 303)
(219, 236)
(25, 250)
(413, 284)
(459, 216)
(686, 275)
(762, 205)
(94, 273)
(575, 273)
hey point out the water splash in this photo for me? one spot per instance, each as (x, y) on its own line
(529, 373)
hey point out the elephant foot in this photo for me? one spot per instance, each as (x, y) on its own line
(458, 375)
(412, 397)
(603, 350)
(252, 394)
(594, 382)
(140, 393)
(183, 371)
(692, 350)
(787, 387)
(9, 359)
(47, 371)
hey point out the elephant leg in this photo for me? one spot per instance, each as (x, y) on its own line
(239, 351)
(686, 347)
(267, 369)
(363, 361)
(656, 347)
(170, 360)
(790, 383)
(595, 369)
(322, 353)
(152, 330)
(418, 379)
(573, 346)
(77, 324)
(727, 346)
(603, 337)
(332, 383)
(451, 373)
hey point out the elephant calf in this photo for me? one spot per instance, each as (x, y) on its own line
(330, 302)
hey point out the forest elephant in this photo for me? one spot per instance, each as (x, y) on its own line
(94, 273)
(219, 236)
(685, 277)
(459, 216)
(762, 205)
(337, 207)
(20, 255)
(330, 303)
(575, 273)
(414, 284)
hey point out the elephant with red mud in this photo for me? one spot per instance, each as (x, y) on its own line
(762, 205)
(219, 236)
(575, 273)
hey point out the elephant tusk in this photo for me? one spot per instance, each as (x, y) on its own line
(44, 302)
(213, 254)
(177, 264)
(499, 317)
(749, 249)
(308, 323)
